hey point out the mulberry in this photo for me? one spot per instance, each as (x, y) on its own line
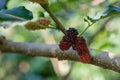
(65, 43)
(68, 39)
(81, 48)
(44, 21)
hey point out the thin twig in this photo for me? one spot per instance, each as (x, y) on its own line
(58, 24)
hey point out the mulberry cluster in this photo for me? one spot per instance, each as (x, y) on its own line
(68, 39)
(78, 43)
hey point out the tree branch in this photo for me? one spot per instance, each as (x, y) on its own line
(103, 59)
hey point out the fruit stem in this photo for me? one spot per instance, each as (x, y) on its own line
(52, 27)
(86, 29)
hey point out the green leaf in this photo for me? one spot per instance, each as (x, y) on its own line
(16, 14)
(112, 10)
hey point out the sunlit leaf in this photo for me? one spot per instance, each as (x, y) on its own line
(111, 11)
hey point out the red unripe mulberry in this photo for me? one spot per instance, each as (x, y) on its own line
(44, 21)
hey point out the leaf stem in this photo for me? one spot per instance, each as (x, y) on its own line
(86, 29)
(52, 27)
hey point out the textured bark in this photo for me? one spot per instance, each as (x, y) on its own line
(100, 58)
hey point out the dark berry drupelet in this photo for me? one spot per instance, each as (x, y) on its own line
(72, 34)
(82, 49)
(71, 31)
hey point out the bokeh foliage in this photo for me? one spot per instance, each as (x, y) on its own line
(71, 14)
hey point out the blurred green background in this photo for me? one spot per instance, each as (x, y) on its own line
(104, 35)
